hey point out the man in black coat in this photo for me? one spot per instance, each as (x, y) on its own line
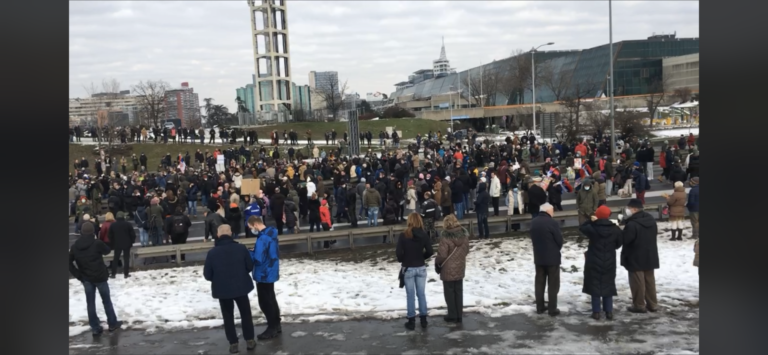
(547, 243)
(640, 256)
(536, 197)
(86, 264)
(228, 267)
(481, 208)
(121, 236)
(177, 226)
(277, 204)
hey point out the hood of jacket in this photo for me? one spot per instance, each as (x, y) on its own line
(481, 187)
(456, 235)
(680, 189)
(84, 242)
(644, 219)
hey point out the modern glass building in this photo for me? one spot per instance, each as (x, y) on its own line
(637, 66)
(246, 94)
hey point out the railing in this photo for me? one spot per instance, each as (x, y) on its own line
(351, 234)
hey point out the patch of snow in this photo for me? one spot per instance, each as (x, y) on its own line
(331, 336)
(499, 281)
(298, 334)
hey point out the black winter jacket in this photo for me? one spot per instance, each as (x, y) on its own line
(86, 260)
(228, 266)
(600, 264)
(412, 252)
(121, 234)
(483, 199)
(547, 240)
(640, 252)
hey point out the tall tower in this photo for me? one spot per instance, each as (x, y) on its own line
(269, 31)
(442, 66)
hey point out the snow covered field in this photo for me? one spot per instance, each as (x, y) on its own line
(499, 281)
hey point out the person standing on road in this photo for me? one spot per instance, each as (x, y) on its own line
(693, 207)
(640, 256)
(413, 247)
(227, 266)
(587, 201)
(86, 264)
(676, 202)
(266, 271)
(121, 237)
(536, 197)
(372, 201)
(429, 214)
(214, 219)
(140, 218)
(313, 207)
(177, 226)
(450, 263)
(547, 243)
(600, 261)
(640, 181)
(495, 193)
(481, 209)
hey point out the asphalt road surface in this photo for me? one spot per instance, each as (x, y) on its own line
(651, 333)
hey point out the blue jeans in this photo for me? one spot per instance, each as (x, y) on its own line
(192, 207)
(90, 299)
(77, 226)
(157, 236)
(415, 281)
(204, 199)
(607, 304)
(373, 214)
(482, 225)
(143, 237)
(459, 207)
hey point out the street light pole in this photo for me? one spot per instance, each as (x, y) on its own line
(533, 83)
(450, 98)
(610, 83)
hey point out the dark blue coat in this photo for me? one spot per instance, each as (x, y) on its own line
(600, 264)
(547, 240)
(693, 199)
(266, 257)
(227, 266)
(639, 251)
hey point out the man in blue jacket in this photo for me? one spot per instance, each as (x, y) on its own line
(266, 271)
(254, 209)
(227, 266)
(693, 206)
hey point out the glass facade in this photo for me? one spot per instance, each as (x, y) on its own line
(637, 64)
(246, 94)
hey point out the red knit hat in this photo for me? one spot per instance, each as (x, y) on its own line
(603, 212)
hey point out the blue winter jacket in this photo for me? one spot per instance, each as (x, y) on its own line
(252, 210)
(226, 267)
(693, 199)
(266, 257)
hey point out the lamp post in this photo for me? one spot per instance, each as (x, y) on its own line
(533, 83)
(610, 83)
(450, 98)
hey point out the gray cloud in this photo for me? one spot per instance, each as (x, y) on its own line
(371, 44)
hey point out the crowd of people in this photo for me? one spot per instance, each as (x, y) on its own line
(418, 184)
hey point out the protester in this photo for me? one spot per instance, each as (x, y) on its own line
(640, 256)
(481, 210)
(266, 271)
(450, 263)
(676, 203)
(86, 264)
(121, 237)
(413, 247)
(600, 264)
(213, 220)
(693, 207)
(177, 226)
(547, 243)
(227, 266)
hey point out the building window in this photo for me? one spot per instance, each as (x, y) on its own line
(644, 73)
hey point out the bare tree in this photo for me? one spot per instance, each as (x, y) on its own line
(472, 92)
(555, 80)
(515, 77)
(630, 122)
(331, 93)
(482, 87)
(151, 100)
(573, 101)
(657, 92)
(596, 119)
(683, 94)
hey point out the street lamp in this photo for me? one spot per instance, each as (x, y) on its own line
(533, 83)
(610, 83)
(450, 98)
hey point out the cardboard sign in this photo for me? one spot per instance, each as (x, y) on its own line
(577, 163)
(250, 187)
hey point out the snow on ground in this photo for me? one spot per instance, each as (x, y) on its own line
(677, 132)
(499, 281)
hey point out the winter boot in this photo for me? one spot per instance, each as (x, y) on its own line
(609, 315)
(595, 316)
(423, 321)
(679, 234)
(234, 348)
(674, 237)
(411, 324)
(251, 344)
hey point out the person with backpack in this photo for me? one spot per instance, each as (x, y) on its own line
(155, 221)
(177, 226)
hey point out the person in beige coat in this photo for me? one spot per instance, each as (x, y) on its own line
(411, 198)
(515, 205)
(450, 263)
(415, 162)
(676, 203)
(696, 255)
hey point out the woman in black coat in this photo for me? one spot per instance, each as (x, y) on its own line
(600, 265)
(313, 207)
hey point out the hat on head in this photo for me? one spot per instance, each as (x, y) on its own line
(120, 215)
(603, 212)
(636, 163)
(447, 178)
(87, 229)
(362, 179)
(694, 181)
(635, 203)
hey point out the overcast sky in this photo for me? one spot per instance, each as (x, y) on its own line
(371, 44)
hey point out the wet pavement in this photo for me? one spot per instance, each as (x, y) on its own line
(572, 332)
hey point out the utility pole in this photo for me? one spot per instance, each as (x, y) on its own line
(610, 83)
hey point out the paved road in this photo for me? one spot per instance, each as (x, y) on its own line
(663, 332)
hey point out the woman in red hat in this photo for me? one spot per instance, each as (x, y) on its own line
(600, 265)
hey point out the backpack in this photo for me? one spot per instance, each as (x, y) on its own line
(178, 225)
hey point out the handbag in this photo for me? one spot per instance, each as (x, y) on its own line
(401, 276)
(439, 268)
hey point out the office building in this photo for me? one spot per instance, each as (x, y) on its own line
(325, 81)
(85, 111)
(183, 104)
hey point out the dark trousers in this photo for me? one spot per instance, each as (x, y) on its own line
(126, 258)
(352, 217)
(607, 303)
(600, 203)
(495, 201)
(446, 210)
(228, 313)
(642, 284)
(454, 298)
(179, 239)
(547, 277)
(640, 196)
(515, 226)
(268, 303)
(482, 225)
(314, 223)
(279, 224)
(557, 206)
